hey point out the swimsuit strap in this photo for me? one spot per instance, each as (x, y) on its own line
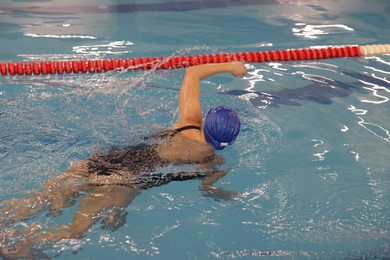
(181, 129)
(172, 132)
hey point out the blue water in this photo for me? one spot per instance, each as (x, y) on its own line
(311, 161)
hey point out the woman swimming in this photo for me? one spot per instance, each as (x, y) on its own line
(108, 182)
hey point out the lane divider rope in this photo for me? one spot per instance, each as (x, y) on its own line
(172, 62)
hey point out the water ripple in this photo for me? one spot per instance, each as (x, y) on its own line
(377, 130)
(116, 47)
(60, 36)
(314, 31)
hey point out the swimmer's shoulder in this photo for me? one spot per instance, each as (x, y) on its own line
(184, 148)
(193, 131)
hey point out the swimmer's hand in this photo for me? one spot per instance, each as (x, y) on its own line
(115, 220)
(238, 69)
(211, 191)
(218, 193)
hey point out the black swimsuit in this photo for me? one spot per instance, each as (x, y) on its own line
(137, 163)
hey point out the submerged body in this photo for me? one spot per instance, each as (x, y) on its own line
(106, 183)
(137, 166)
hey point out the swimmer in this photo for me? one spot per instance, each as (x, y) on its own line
(108, 182)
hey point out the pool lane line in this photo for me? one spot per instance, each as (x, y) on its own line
(177, 62)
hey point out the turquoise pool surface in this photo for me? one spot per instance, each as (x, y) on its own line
(312, 159)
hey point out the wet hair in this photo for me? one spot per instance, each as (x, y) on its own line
(221, 127)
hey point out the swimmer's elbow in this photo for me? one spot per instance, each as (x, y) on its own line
(192, 73)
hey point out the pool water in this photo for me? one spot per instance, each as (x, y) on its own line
(311, 162)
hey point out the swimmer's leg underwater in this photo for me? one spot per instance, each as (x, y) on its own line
(58, 193)
(111, 200)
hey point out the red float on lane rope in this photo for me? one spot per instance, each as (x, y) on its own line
(173, 62)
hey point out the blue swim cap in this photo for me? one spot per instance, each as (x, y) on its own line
(221, 127)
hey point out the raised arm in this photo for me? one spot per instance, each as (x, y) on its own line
(190, 109)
